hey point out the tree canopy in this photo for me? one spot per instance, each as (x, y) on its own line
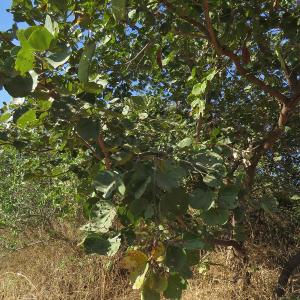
(179, 119)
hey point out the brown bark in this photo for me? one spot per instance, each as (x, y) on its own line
(103, 148)
(270, 139)
(286, 272)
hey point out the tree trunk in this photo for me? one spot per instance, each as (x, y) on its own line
(286, 272)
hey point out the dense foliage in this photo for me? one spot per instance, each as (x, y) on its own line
(33, 194)
(165, 111)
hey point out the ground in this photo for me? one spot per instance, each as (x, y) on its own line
(55, 268)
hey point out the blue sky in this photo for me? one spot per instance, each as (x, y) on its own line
(6, 21)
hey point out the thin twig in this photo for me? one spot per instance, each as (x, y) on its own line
(103, 148)
(86, 143)
(236, 60)
(138, 55)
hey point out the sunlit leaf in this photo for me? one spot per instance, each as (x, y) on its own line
(103, 220)
(27, 119)
(25, 60)
(185, 143)
(40, 39)
(85, 61)
(119, 9)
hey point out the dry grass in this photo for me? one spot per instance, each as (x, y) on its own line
(57, 270)
(228, 278)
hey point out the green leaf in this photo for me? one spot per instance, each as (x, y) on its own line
(158, 282)
(27, 119)
(4, 117)
(210, 76)
(149, 294)
(295, 197)
(141, 279)
(209, 159)
(107, 182)
(211, 180)
(95, 243)
(199, 104)
(215, 216)
(92, 87)
(60, 57)
(40, 39)
(176, 284)
(52, 27)
(104, 180)
(169, 175)
(141, 190)
(115, 244)
(121, 188)
(104, 217)
(19, 86)
(169, 58)
(119, 9)
(228, 197)
(85, 61)
(194, 244)
(137, 102)
(25, 60)
(199, 88)
(110, 189)
(122, 157)
(269, 205)
(23, 37)
(175, 258)
(100, 244)
(201, 199)
(88, 129)
(187, 142)
(138, 207)
(174, 202)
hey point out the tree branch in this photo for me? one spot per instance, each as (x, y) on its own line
(210, 35)
(138, 54)
(102, 147)
(188, 19)
(236, 60)
(268, 142)
(86, 143)
(209, 27)
(286, 272)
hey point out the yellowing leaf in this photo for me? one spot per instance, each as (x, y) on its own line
(134, 260)
(141, 279)
(158, 282)
(158, 252)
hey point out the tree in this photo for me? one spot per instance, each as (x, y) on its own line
(170, 108)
